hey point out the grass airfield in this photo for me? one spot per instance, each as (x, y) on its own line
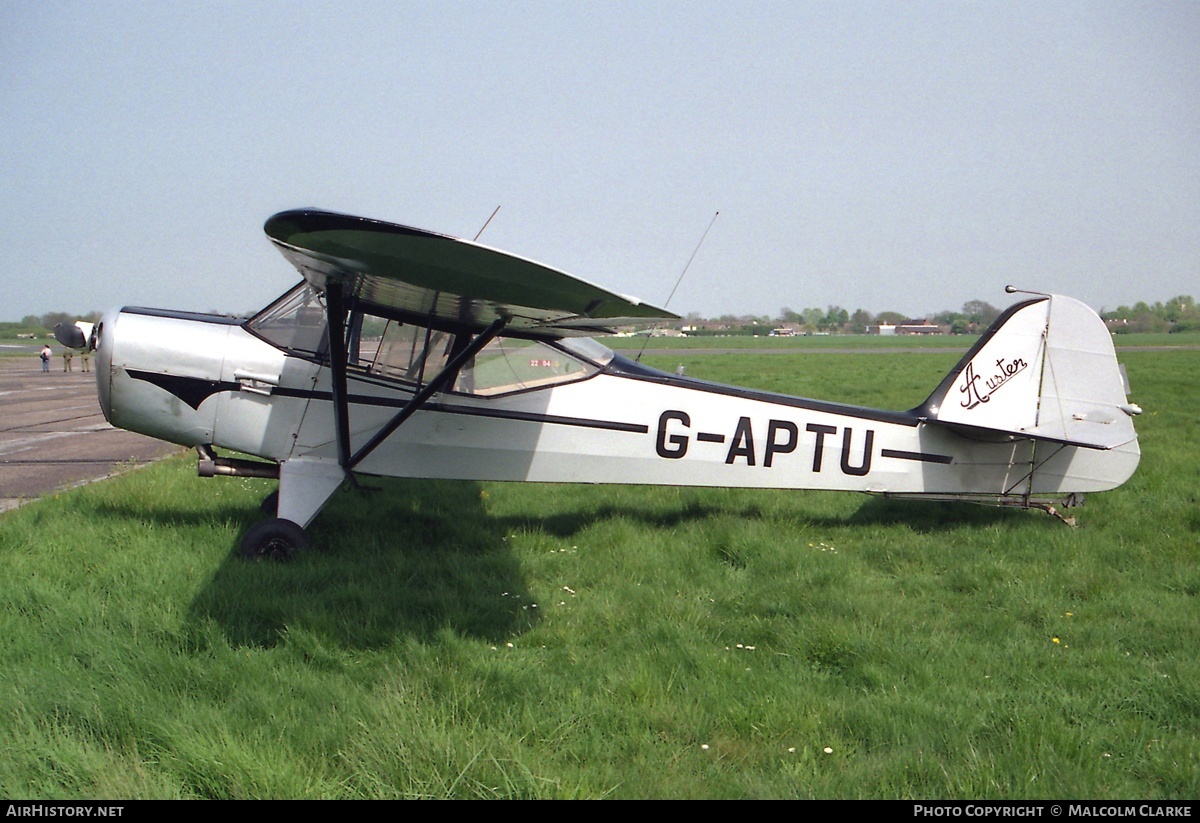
(492, 640)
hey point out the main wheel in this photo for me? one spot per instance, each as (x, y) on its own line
(274, 539)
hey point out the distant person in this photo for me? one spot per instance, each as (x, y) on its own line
(67, 355)
(87, 358)
(46, 358)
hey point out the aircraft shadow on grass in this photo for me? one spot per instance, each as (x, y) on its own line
(429, 558)
(420, 558)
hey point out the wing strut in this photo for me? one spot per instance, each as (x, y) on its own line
(422, 396)
(335, 310)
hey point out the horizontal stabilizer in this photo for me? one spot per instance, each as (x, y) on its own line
(1046, 369)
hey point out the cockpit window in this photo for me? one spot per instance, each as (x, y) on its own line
(399, 351)
(294, 322)
(416, 354)
(588, 349)
(394, 350)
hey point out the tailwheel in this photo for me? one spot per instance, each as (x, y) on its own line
(274, 539)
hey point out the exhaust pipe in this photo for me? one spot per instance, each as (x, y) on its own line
(209, 465)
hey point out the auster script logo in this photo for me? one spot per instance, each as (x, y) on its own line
(977, 389)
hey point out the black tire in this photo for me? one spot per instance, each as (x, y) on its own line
(275, 539)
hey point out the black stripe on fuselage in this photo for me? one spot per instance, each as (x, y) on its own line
(470, 411)
(195, 390)
(608, 425)
(920, 457)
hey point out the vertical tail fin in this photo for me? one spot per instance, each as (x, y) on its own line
(1046, 369)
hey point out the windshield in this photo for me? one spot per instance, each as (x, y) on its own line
(294, 322)
(588, 348)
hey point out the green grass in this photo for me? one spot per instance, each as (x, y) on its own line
(511, 640)
(1189, 339)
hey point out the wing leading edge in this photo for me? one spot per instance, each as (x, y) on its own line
(430, 275)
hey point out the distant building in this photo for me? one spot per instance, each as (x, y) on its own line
(705, 326)
(913, 327)
(922, 327)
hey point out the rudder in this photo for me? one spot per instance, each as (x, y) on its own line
(1046, 369)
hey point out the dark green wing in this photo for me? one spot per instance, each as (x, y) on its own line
(428, 275)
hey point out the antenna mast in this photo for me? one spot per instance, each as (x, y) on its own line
(485, 225)
(682, 273)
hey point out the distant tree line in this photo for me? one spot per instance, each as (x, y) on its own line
(975, 316)
(1179, 314)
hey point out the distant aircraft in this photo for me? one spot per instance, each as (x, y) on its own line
(412, 354)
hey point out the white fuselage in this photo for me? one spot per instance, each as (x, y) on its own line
(198, 381)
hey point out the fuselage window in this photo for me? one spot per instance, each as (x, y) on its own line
(509, 364)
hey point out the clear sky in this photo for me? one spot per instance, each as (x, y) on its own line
(904, 156)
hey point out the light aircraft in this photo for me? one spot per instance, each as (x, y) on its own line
(412, 354)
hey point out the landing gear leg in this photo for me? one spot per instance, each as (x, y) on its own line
(304, 487)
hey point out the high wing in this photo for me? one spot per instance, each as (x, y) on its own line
(433, 276)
